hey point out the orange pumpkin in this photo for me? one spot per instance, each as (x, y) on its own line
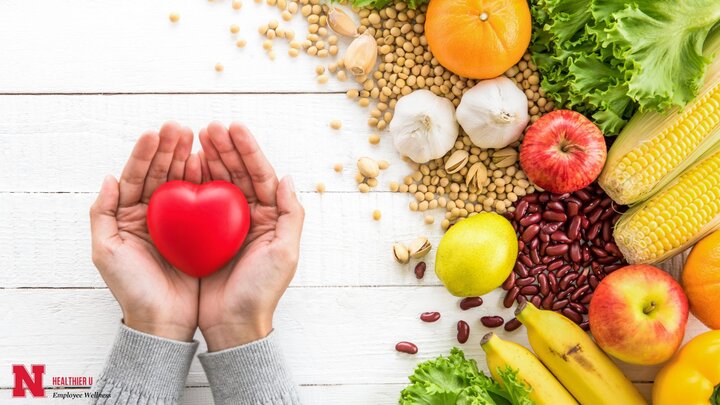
(479, 39)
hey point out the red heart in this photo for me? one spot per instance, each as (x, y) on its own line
(198, 228)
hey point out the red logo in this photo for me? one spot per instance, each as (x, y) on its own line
(23, 380)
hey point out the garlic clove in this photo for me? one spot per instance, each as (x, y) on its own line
(341, 23)
(361, 55)
(423, 126)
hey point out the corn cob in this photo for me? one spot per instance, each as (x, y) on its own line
(654, 148)
(674, 218)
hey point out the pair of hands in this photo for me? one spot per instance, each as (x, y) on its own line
(233, 306)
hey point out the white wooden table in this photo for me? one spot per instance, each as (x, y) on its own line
(81, 79)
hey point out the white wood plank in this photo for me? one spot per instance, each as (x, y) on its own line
(329, 335)
(130, 46)
(69, 143)
(375, 394)
(45, 240)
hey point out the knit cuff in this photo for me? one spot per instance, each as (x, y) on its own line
(149, 366)
(253, 373)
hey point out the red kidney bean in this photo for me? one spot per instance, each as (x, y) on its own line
(574, 228)
(591, 205)
(585, 325)
(582, 194)
(521, 209)
(531, 219)
(510, 297)
(547, 259)
(525, 260)
(598, 252)
(544, 237)
(529, 290)
(509, 282)
(612, 248)
(552, 281)
(572, 315)
(548, 301)
(534, 244)
(592, 233)
(530, 233)
(538, 269)
(606, 214)
(544, 198)
(563, 271)
(420, 270)
(585, 223)
(557, 250)
(406, 347)
(554, 216)
(573, 208)
(582, 279)
(569, 278)
(551, 227)
(606, 202)
(609, 269)
(524, 281)
(561, 237)
(535, 256)
(520, 269)
(556, 206)
(560, 304)
(543, 250)
(472, 302)
(586, 254)
(532, 198)
(492, 321)
(543, 283)
(559, 197)
(586, 299)
(512, 324)
(533, 208)
(606, 260)
(429, 316)
(556, 264)
(594, 216)
(580, 292)
(577, 308)
(575, 254)
(536, 300)
(463, 332)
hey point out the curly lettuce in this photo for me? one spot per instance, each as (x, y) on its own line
(455, 380)
(609, 58)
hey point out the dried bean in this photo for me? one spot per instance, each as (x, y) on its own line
(530, 233)
(577, 308)
(420, 270)
(575, 253)
(510, 297)
(529, 290)
(585, 325)
(556, 206)
(531, 219)
(512, 324)
(536, 300)
(552, 281)
(473, 302)
(598, 252)
(535, 256)
(580, 292)
(591, 205)
(525, 260)
(572, 315)
(551, 227)
(544, 237)
(509, 282)
(569, 278)
(547, 302)
(561, 237)
(524, 281)
(543, 282)
(463, 332)
(557, 250)
(554, 216)
(538, 269)
(429, 316)
(593, 232)
(595, 215)
(520, 209)
(563, 271)
(573, 209)
(406, 347)
(521, 270)
(492, 321)
(574, 228)
(560, 304)
(556, 264)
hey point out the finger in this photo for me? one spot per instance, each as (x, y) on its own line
(103, 214)
(216, 168)
(160, 165)
(133, 177)
(204, 167)
(291, 216)
(193, 171)
(230, 157)
(264, 180)
(181, 154)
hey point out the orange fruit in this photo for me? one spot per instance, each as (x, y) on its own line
(479, 39)
(701, 280)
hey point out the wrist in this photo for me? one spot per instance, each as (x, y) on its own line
(226, 335)
(160, 329)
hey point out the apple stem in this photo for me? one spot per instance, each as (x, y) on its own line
(649, 307)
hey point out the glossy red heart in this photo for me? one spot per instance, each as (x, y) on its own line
(198, 228)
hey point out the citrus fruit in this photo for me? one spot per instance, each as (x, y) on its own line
(476, 254)
(479, 39)
(701, 280)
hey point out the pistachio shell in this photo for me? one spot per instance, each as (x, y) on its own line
(401, 253)
(419, 247)
(456, 161)
(505, 157)
(477, 174)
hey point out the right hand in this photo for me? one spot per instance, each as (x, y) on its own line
(155, 297)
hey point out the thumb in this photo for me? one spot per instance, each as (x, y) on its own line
(103, 222)
(291, 215)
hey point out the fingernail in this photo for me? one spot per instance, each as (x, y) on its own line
(291, 183)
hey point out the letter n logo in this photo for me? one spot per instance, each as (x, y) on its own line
(23, 380)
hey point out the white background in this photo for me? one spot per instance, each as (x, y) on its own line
(81, 79)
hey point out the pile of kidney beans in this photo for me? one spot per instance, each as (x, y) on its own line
(566, 247)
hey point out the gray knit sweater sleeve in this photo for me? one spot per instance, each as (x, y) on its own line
(144, 369)
(252, 374)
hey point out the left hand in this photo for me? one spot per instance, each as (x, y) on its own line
(237, 302)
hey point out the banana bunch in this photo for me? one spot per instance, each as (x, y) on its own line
(568, 363)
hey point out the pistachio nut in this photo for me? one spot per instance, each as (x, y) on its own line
(505, 157)
(401, 253)
(419, 247)
(456, 161)
(368, 168)
(340, 22)
(477, 174)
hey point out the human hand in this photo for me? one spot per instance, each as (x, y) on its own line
(155, 297)
(237, 302)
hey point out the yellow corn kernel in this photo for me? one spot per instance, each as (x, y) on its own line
(675, 217)
(632, 176)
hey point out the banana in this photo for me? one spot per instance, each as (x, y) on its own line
(546, 389)
(566, 350)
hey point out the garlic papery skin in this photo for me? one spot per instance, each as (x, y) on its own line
(424, 126)
(494, 113)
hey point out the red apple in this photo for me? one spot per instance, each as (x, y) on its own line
(638, 314)
(563, 152)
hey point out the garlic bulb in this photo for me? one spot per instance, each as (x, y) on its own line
(494, 113)
(424, 126)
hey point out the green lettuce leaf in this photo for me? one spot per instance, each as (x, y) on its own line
(455, 380)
